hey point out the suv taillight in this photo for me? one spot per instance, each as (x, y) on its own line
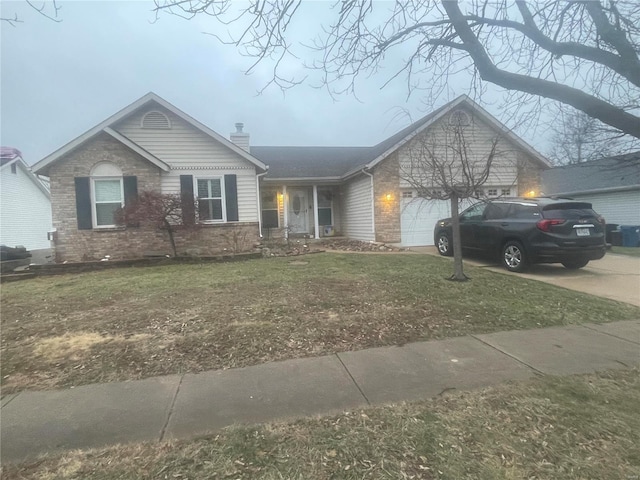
(545, 225)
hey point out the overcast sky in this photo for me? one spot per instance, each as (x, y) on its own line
(60, 79)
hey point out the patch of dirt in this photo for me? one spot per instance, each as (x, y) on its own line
(75, 346)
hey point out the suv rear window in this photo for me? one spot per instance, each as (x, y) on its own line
(568, 211)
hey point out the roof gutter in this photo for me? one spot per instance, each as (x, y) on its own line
(373, 204)
(597, 190)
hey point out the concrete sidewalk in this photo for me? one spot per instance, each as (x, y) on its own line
(182, 406)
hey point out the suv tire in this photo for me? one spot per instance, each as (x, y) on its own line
(445, 248)
(513, 257)
(575, 264)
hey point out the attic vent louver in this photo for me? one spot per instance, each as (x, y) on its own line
(459, 118)
(157, 120)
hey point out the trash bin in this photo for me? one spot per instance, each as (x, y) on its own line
(616, 238)
(610, 227)
(630, 235)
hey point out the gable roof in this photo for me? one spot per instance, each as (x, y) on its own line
(297, 163)
(621, 172)
(148, 98)
(10, 156)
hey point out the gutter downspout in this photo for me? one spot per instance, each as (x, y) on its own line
(258, 198)
(373, 204)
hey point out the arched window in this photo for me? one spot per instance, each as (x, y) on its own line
(107, 193)
(459, 118)
(155, 120)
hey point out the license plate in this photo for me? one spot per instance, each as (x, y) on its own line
(583, 232)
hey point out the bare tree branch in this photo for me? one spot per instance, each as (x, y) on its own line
(581, 53)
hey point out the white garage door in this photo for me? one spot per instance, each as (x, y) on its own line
(418, 217)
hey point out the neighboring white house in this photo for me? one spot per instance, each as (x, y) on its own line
(611, 185)
(25, 205)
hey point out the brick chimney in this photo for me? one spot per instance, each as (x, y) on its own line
(240, 138)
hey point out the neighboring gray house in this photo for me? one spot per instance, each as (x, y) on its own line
(25, 205)
(611, 184)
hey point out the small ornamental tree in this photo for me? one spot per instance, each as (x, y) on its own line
(163, 210)
(444, 165)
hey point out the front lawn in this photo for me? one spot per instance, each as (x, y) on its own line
(581, 427)
(139, 322)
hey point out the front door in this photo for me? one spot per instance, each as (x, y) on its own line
(298, 211)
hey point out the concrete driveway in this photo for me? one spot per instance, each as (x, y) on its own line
(615, 276)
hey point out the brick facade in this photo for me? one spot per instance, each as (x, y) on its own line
(386, 188)
(75, 245)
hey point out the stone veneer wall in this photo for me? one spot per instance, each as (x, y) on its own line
(528, 175)
(387, 211)
(75, 245)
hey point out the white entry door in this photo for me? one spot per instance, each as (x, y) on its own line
(298, 211)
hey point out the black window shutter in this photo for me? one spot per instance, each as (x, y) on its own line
(130, 189)
(231, 196)
(186, 192)
(83, 203)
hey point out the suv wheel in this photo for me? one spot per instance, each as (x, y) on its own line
(513, 257)
(444, 245)
(575, 264)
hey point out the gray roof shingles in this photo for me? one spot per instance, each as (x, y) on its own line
(606, 173)
(328, 162)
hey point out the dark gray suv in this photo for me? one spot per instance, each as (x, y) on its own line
(524, 231)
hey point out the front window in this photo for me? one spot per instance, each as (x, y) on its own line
(107, 194)
(108, 198)
(325, 200)
(210, 200)
(269, 202)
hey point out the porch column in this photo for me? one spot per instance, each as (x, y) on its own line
(285, 211)
(315, 212)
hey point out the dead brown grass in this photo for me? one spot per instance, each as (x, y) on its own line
(136, 323)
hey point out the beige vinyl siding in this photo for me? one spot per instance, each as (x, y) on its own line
(189, 151)
(622, 208)
(181, 145)
(479, 137)
(356, 218)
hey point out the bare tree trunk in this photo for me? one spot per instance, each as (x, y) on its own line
(171, 239)
(458, 272)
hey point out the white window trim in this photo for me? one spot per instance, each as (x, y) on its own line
(223, 194)
(94, 214)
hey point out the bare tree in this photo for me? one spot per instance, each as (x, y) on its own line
(47, 8)
(162, 210)
(581, 138)
(443, 164)
(580, 53)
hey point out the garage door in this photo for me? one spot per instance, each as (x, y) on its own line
(417, 219)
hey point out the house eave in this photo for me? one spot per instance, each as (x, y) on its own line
(40, 167)
(303, 180)
(137, 148)
(597, 190)
(486, 116)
